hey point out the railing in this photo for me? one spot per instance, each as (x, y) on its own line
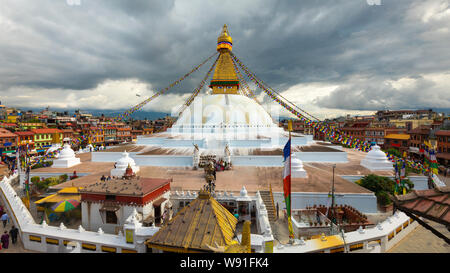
(44, 238)
(273, 203)
(380, 238)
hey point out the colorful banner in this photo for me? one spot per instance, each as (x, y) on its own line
(333, 134)
(140, 105)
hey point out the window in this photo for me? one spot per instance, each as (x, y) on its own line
(111, 217)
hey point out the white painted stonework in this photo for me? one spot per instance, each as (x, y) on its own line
(66, 158)
(297, 170)
(377, 160)
(122, 164)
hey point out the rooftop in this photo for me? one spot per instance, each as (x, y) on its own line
(6, 133)
(432, 204)
(254, 178)
(201, 223)
(46, 131)
(138, 186)
(398, 136)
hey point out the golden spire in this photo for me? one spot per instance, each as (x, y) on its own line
(224, 40)
(225, 80)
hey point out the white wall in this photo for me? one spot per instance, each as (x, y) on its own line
(329, 157)
(363, 236)
(22, 219)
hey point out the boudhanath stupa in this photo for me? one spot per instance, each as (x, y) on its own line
(225, 123)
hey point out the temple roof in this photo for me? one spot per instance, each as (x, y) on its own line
(139, 186)
(433, 204)
(201, 223)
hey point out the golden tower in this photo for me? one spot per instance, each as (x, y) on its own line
(225, 80)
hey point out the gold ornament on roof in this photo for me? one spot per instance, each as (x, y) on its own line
(224, 37)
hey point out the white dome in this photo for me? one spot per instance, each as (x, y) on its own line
(296, 163)
(376, 154)
(376, 160)
(123, 162)
(226, 111)
(297, 170)
(66, 152)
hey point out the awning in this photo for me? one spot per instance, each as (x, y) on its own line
(109, 207)
(159, 201)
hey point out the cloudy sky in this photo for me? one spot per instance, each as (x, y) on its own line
(329, 57)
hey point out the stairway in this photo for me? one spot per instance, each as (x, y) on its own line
(271, 210)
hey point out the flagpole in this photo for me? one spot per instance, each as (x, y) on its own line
(291, 235)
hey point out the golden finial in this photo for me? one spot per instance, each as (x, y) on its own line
(224, 40)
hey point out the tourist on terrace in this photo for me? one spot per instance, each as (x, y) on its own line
(103, 178)
(5, 240)
(13, 233)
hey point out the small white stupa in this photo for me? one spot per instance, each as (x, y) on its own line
(66, 158)
(376, 160)
(297, 170)
(122, 164)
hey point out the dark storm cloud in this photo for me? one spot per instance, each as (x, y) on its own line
(50, 44)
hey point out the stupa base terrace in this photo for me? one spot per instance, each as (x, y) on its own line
(313, 190)
(163, 151)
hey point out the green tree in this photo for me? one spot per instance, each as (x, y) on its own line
(382, 186)
(63, 178)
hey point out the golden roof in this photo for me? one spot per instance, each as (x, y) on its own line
(68, 193)
(201, 223)
(398, 136)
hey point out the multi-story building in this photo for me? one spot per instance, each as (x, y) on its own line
(123, 134)
(399, 142)
(399, 114)
(8, 126)
(411, 124)
(31, 125)
(443, 147)
(25, 138)
(136, 133)
(110, 135)
(418, 136)
(8, 142)
(96, 135)
(44, 138)
(147, 131)
(67, 133)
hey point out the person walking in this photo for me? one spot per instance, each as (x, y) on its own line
(4, 218)
(13, 233)
(5, 240)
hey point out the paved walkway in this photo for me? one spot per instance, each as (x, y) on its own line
(13, 248)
